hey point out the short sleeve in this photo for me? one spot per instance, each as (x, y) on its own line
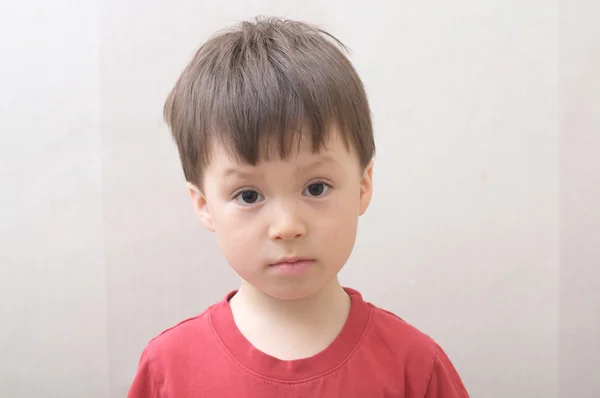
(445, 381)
(144, 384)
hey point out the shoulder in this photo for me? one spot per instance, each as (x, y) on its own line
(180, 338)
(419, 357)
(390, 328)
(169, 354)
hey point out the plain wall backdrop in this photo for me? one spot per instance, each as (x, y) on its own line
(484, 229)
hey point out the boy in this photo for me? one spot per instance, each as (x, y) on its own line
(274, 133)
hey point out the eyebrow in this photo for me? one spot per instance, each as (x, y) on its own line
(239, 173)
(234, 172)
(326, 160)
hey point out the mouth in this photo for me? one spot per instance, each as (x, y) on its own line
(292, 265)
(290, 261)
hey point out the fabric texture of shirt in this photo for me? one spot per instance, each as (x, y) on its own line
(375, 355)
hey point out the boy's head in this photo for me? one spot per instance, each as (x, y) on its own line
(275, 137)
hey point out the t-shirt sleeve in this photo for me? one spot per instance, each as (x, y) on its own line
(444, 381)
(144, 383)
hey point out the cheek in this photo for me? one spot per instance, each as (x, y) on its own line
(336, 228)
(230, 221)
(237, 236)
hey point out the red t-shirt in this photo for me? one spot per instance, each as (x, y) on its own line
(375, 355)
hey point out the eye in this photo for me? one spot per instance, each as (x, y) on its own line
(248, 197)
(316, 189)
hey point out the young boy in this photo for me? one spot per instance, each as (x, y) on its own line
(275, 137)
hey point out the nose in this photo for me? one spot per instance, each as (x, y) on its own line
(287, 224)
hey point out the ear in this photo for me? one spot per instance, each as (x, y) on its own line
(366, 188)
(201, 206)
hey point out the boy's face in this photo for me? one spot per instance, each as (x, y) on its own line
(305, 207)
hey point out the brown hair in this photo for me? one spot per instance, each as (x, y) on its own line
(257, 87)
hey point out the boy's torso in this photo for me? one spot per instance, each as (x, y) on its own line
(377, 355)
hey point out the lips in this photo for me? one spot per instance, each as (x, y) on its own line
(292, 265)
(290, 261)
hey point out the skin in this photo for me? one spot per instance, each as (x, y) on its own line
(305, 206)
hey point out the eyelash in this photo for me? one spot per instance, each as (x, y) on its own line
(238, 193)
(327, 185)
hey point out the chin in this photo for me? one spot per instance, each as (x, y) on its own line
(290, 293)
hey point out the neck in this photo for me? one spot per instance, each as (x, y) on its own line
(331, 299)
(317, 319)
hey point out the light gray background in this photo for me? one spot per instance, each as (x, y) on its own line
(484, 230)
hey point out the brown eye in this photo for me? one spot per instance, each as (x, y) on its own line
(317, 189)
(248, 197)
